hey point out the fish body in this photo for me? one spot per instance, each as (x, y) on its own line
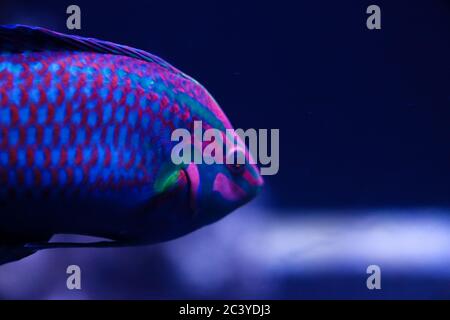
(85, 142)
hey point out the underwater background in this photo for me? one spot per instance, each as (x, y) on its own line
(364, 119)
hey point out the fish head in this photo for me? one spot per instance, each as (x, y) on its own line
(189, 194)
(219, 187)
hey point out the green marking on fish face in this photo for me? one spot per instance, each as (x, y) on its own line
(166, 179)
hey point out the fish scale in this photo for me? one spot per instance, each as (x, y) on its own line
(69, 130)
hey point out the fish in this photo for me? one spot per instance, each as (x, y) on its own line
(85, 146)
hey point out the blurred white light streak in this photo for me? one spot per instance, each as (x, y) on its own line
(260, 242)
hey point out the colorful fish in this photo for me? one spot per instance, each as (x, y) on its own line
(85, 146)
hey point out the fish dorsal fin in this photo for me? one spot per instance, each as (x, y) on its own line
(22, 38)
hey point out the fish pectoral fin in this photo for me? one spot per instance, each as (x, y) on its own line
(15, 252)
(97, 244)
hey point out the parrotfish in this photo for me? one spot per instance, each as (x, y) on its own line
(85, 146)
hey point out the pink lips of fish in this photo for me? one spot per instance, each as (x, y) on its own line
(257, 182)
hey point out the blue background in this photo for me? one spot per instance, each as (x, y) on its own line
(364, 119)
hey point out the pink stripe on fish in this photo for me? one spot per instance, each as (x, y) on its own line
(252, 180)
(227, 188)
(194, 178)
